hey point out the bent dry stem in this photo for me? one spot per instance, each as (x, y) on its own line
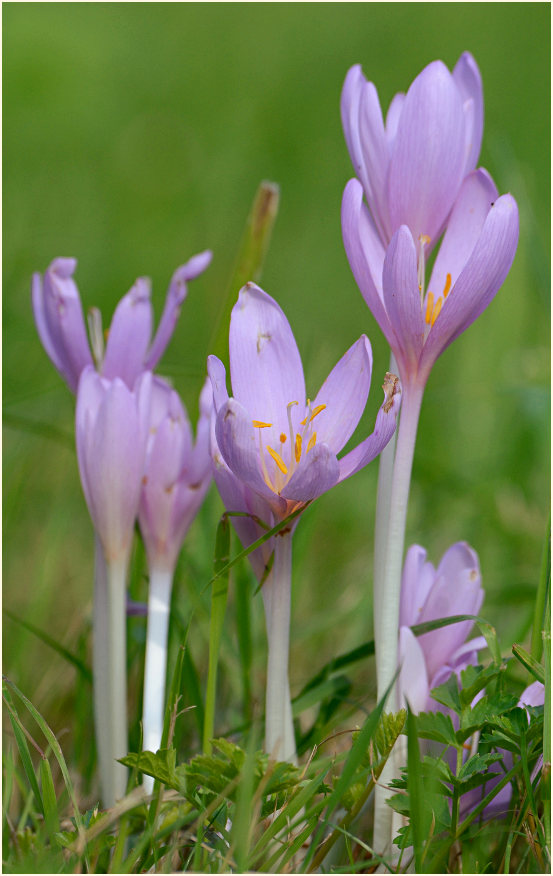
(110, 674)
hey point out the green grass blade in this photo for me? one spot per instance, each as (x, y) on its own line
(67, 655)
(249, 264)
(55, 746)
(244, 634)
(218, 607)
(529, 662)
(414, 785)
(50, 803)
(544, 587)
(23, 749)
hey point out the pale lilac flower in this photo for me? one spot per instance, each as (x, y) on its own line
(61, 327)
(474, 258)
(177, 473)
(428, 594)
(275, 440)
(412, 165)
(111, 433)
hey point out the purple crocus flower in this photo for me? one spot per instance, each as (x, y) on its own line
(61, 327)
(411, 167)
(273, 439)
(177, 473)
(112, 431)
(275, 451)
(427, 594)
(474, 258)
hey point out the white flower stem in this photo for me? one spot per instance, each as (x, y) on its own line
(159, 600)
(110, 674)
(279, 730)
(384, 491)
(387, 609)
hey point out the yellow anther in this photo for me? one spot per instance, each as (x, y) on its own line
(424, 238)
(317, 410)
(447, 286)
(429, 306)
(278, 459)
(282, 437)
(436, 311)
(297, 448)
(312, 441)
(259, 425)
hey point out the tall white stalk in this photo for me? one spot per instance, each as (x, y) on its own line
(110, 674)
(279, 729)
(387, 607)
(159, 601)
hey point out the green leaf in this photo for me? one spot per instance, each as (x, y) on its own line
(251, 255)
(475, 678)
(529, 663)
(23, 749)
(448, 694)
(160, 766)
(51, 818)
(436, 726)
(218, 607)
(67, 655)
(544, 587)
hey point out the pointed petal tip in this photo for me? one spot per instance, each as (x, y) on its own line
(63, 266)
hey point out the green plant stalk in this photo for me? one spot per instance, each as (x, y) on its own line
(544, 586)
(277, 592)
(456, 797)
(110, 674)
(389, 595)
(251, 255)
(155, 669)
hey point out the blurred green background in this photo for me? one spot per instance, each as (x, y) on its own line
(136, 135)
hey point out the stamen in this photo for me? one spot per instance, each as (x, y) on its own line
(423, 240)
(447, 286)
(297, 448)
(436, 311)
(278, 459)
(259, 425)
(303, 422)
(282, 438)
(429, 307)
(317, 411)
(268, 480)
(312, 441)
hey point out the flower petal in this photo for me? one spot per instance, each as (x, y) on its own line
(60, 322)
(479, 280)
(129, 335)
(416, 581)
(385, 426)
(428, 155)
(317, 472)
(365, 254)
(412, 683)
(175, 296)
(456, 590)
(375, 158)
(344, 392)
(238, 443)
(392, 117)
(464, 227)
(403, 300)
(218, 378)
(265, 365)
(469, 82)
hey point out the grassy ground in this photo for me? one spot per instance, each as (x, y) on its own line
(136, 135)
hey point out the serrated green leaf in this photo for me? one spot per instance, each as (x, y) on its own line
(477, 764)
(389, 728)
(160, 766)
(474, 679)
(448, 694)
(436, 726)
